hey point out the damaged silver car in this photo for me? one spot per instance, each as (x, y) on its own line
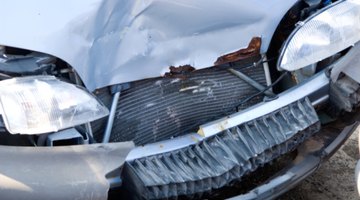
(155, 99)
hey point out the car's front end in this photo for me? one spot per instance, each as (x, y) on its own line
(154, 100)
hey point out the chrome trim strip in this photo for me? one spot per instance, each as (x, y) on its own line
(320, 100)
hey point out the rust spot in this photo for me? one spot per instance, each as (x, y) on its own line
(253, 49)
(294, 78)
(179, 72)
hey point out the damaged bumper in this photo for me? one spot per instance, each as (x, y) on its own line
(187, 162)
(307, 162)
(316, 90)
(237, 145)
(232, 147)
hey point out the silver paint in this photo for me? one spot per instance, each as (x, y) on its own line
(116, 41)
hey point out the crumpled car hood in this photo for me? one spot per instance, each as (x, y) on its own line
(115, 41)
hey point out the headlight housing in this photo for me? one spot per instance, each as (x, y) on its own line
(332, 30)
(43, 104)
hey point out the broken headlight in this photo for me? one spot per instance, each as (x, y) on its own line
(43, 104)
(332, 30)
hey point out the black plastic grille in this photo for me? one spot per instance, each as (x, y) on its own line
(217, 161)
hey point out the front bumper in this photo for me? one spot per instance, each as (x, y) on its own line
(228, 149)
(230, 155)
(231, 148)
(237, 145)
(307, 162)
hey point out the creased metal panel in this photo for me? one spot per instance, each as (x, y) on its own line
(58, 173)
(116, 41)
(218, 160)
(157, 109)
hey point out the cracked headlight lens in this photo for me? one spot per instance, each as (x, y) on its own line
(43, 104)
(330, 31)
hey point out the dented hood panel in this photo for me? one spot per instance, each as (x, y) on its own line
(116, 41)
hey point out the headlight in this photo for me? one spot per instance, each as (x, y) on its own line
(323, 35)
(42, 104)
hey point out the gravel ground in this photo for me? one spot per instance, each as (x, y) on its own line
(334, 179)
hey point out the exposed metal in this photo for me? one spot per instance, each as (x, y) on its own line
(251, 81)
(320, 101)
(317, 88)
(315, 84)
(318, 84)
(253, 49)
(216, 161)
(111, 117)
(179, 72)
(163, 108)
(116, 41)
(267, 71)
(70, 172)
(89, 130)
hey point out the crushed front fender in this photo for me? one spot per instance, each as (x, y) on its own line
(70, 172)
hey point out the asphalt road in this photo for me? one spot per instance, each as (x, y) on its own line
(334, 180)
